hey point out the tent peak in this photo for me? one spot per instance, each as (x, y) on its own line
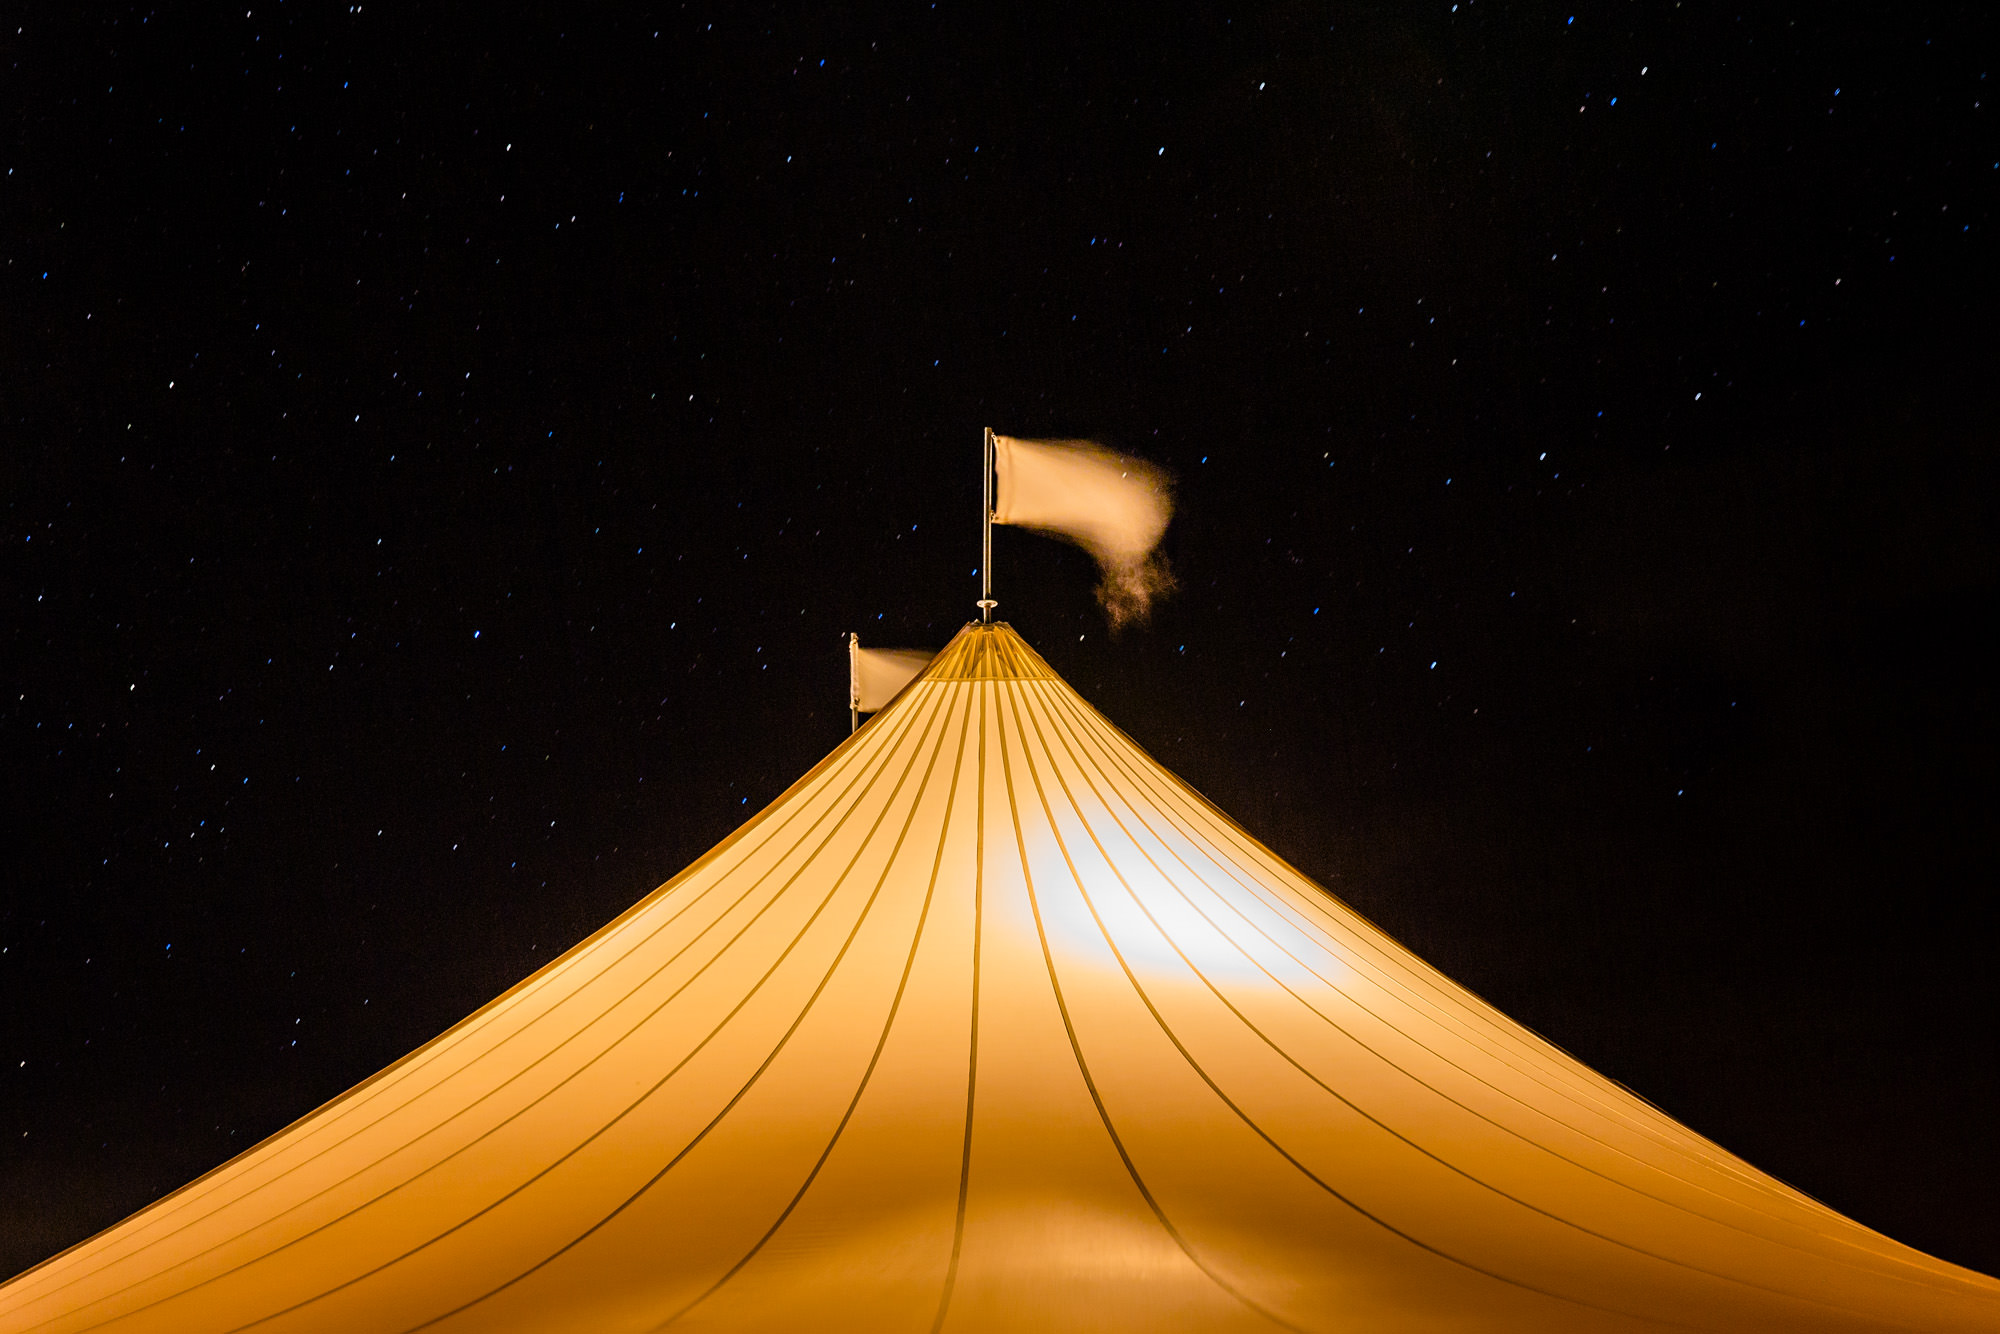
(988, 651)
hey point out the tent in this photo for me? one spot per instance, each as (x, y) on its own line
(990, 1022)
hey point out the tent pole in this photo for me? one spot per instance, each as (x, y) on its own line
(986, 602)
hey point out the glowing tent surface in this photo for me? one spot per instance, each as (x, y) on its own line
(990, 1023)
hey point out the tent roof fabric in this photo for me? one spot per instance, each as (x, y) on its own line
(990, 1022)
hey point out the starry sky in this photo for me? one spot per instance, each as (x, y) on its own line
(447, 444)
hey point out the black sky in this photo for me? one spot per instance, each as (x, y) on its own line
(445, 446)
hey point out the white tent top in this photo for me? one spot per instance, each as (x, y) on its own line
(990, 1022)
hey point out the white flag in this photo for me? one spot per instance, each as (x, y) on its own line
(874, 675)
(1112, 506)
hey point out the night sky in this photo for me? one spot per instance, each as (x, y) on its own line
(443, 448)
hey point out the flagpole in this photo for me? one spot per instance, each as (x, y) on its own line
(986, 602)
(853, 683)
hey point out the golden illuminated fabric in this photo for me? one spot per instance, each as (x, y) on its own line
(990, 1023)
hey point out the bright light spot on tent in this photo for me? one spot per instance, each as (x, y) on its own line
(1161, 916)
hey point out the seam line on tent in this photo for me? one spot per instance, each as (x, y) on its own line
(1433, 1008)
(1063, 847)
(1076, 1050)
(1215, 1088)
(410, 1065)
(972, 1039)
(1668, 1136)
(1072, 739)
(1592, 1102)
(889, 1023)
(758, 1074)
(593, 1136)
(1476, 1010)
(836, 805)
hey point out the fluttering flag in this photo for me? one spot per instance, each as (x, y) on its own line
(874, 675)
(1112, 506)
